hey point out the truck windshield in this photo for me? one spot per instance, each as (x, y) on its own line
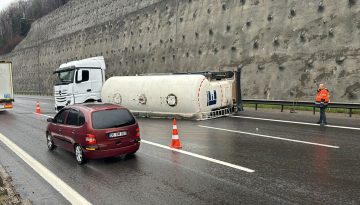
(65, 77)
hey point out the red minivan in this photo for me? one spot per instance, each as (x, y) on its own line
(93, 131)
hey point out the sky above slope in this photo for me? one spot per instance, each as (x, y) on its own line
(5, 3)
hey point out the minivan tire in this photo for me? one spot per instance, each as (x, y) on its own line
(79, 154)
(50, 142)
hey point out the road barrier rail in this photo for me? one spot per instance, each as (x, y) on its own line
(282, 103)
(33, 93)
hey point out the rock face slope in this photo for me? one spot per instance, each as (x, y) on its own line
(285, 47)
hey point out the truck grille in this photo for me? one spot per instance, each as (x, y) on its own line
(62, 97)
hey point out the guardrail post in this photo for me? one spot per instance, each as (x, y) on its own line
(256, 106)
(350, 112)
(282, 108)
(314, 110)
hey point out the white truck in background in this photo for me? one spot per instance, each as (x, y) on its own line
(200, 95)
(6, 86)
(79, 81)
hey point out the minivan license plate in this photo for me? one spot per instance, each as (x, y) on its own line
(118, 134)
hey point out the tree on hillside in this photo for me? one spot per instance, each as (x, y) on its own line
(15, 21)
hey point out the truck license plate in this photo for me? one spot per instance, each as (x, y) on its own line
(118, 134)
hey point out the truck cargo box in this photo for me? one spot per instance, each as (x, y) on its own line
(6, 86)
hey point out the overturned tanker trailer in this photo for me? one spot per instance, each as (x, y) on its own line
(198, 96)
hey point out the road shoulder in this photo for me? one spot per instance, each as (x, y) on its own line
(8, 194)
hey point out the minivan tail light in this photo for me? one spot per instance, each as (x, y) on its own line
(90, 139)
(138, 132)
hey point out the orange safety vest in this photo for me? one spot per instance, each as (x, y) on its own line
(322, 96)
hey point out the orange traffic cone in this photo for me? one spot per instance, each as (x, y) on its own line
(175, 141)
(37, 110)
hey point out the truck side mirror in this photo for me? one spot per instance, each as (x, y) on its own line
(79, 76)
(82, 76)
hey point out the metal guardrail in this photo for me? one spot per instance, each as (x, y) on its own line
(33, 93)
(282, 103)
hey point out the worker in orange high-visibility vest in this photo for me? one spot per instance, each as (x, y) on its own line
(321, 101)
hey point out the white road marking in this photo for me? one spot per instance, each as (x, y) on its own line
(272, 137)
(44, 103)
(294, 122)
(70, 194)
(44, 115)
(200, 157)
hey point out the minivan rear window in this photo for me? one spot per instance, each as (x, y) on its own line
(112, 118)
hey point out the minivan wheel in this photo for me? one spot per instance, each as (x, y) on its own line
(50, 142)
(79, 154)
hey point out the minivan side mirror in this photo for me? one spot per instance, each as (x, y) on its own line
(50, 120)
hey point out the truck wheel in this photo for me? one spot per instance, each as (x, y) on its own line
(79, 155)
(50, 143)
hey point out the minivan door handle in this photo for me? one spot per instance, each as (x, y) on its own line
(88, 90)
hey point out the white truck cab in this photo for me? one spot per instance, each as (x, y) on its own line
(79, 82)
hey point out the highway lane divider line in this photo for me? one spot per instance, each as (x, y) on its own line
(44, 103)
(294, 122)
(200, 157)
(48, 116)
(271, 137)
(65, 190)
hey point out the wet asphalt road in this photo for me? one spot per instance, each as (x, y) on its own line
(286, 172)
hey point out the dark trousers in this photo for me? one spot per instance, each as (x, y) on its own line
(322, 114)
